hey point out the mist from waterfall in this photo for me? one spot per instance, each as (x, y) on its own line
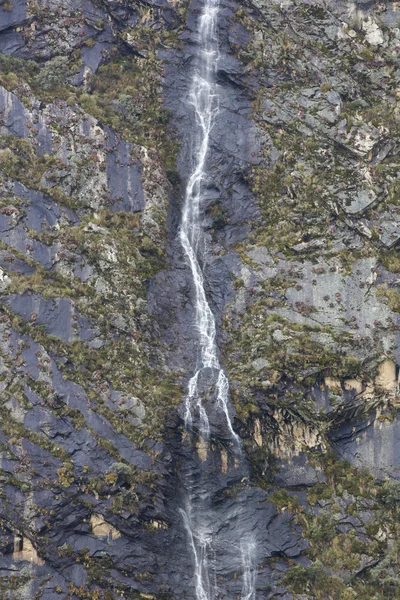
(203, 536)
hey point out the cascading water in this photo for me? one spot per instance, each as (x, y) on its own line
(204, 98)
(203, 528)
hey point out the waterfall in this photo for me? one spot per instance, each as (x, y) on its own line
(202, 534)
(204, 98)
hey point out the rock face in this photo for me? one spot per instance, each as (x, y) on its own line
(301, 221)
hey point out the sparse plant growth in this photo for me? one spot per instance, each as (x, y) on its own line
(300, 212)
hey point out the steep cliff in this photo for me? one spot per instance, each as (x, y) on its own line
(302, 228)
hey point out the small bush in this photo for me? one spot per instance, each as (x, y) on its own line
(53, 73)
(6, 5)
(121, 469)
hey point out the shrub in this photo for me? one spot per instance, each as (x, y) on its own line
(53, 73)
(6, 5)
(130, 107)
(121, 469)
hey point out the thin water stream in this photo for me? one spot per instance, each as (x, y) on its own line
(204, 530)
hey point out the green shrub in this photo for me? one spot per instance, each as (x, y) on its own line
(6, 5)
(53, 73)
(121, 469)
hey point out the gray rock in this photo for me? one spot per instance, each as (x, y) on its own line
(371, 444)
(298, 473)
(260, 363)
(123, 175)
(59, 316)
(13, 114)
(356, 201)
(13, 16)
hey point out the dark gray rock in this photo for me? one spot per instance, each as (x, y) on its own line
(11, 42)
(13, 16)
(298, 473)
(12, 114)
(123, 175)
(372, 444)
(9, 263)
(59, 316)
(41, 211)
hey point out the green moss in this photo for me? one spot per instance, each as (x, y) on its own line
(218, 215)
(19, 161)
(293, 196)
(15, 70)
(390, 259)
(294, 364)
(55, 404)
(125, 94)
(16, 430)
(263, 465)
(391, 296)
(14, 582)
(122, 366)
(336, 570)
(316, 580)
(53, 74)
(285, 501)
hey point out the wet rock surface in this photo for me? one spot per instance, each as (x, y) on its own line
(301, 262)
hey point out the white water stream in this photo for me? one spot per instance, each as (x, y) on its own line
(204, 98)
(196, 515)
